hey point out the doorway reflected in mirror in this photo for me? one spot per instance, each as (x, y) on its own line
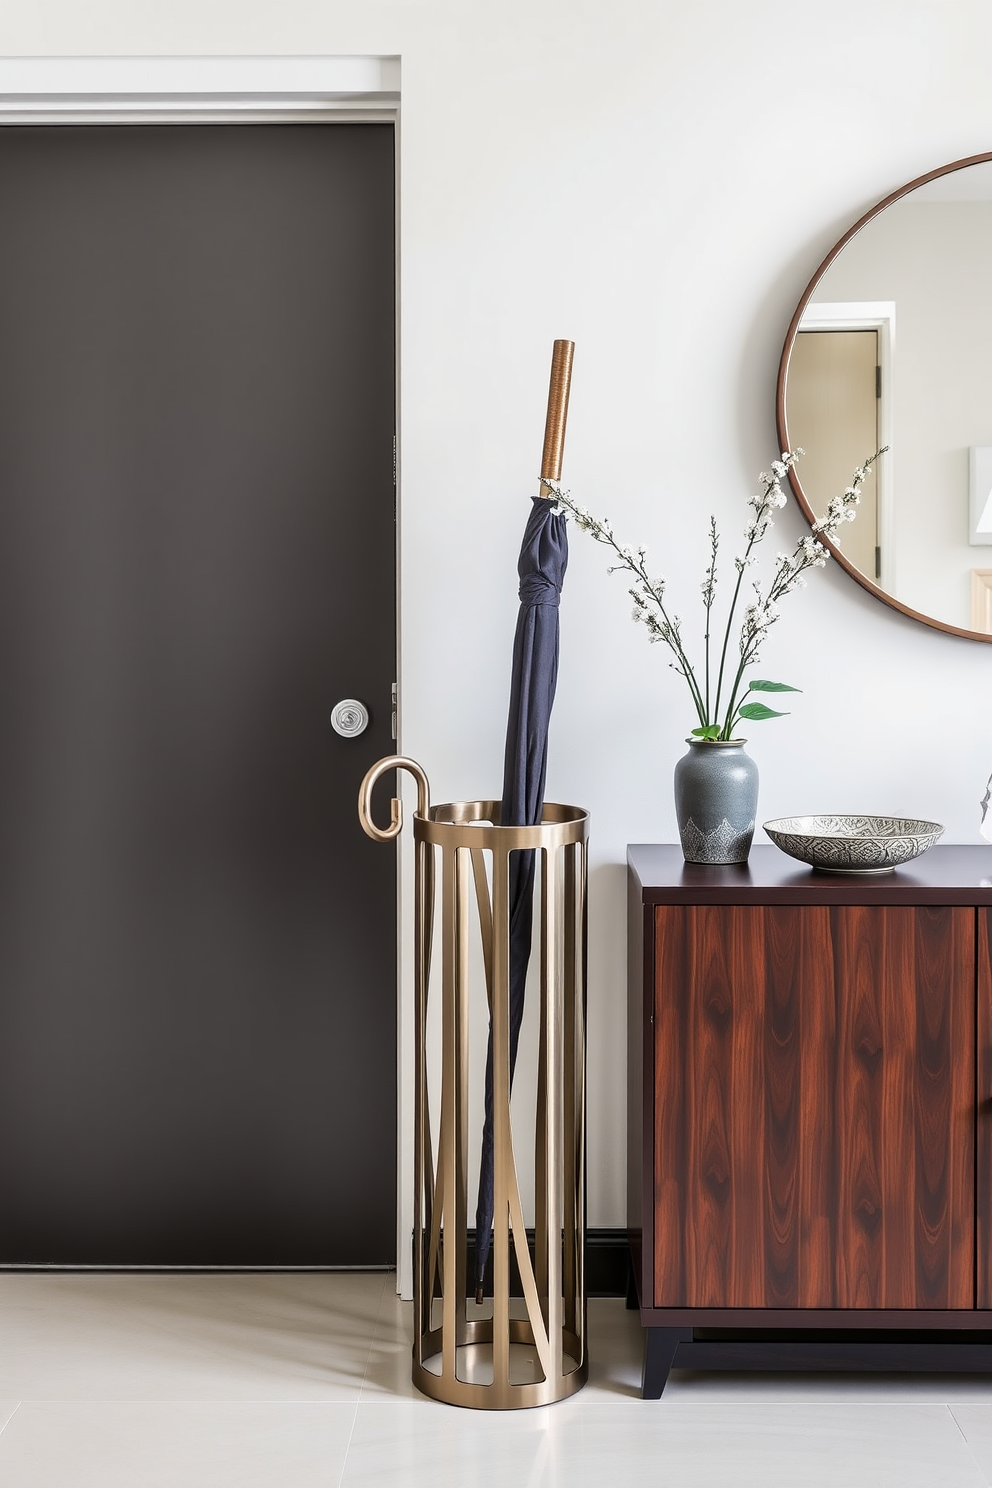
(847, 384)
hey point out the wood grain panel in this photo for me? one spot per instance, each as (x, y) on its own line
(713, 1230)
(809, 932)
(858, 1075)
(788, 970)
(983, 1103)
(814, 1106)
(640, 1092)
(724, 1208)
(726, 1074)
(672, 995)
(944, 1087)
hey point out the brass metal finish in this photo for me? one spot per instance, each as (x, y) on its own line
(554, 428)
(382, 767)
(540, 1357)
(461, 837)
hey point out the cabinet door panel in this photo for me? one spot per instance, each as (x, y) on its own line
(815, 1105)
(983, 1185)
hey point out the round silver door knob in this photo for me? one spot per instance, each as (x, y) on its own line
(350, 718)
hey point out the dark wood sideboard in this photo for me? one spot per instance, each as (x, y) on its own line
(810, 1113)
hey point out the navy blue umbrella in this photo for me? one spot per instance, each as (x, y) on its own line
(541, 567)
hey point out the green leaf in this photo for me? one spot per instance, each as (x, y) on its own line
(711, 731)
(758, 710)
(758, 686)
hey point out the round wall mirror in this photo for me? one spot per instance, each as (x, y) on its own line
(892, 345)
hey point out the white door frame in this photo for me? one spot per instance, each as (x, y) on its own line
(188, 90)
(880, 316)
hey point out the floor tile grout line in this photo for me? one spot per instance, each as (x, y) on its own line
(375, 1329)
(971, 1453)
(347, 1450)
(13, 1413)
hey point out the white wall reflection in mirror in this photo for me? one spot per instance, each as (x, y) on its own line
(895, 347)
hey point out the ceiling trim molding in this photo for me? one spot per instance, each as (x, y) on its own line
(125, 89)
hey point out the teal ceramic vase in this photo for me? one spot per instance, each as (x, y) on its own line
(716, 798)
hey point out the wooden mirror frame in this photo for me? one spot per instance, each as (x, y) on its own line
(783, 373)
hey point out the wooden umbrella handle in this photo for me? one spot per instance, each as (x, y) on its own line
(554, 428)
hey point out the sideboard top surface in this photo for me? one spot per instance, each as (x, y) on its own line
(944, 875)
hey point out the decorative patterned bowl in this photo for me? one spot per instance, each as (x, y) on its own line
(853, 844)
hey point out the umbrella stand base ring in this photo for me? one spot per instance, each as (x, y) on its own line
(473, 1396)
(500, 1361)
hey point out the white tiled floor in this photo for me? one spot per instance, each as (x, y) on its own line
(297, 1381)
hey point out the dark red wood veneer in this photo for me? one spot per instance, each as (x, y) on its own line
(810, 1102)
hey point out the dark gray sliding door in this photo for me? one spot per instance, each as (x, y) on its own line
(197, 944)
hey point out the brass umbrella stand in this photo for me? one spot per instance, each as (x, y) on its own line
(534, 1352)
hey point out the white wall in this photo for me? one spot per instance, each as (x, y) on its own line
(656, 180)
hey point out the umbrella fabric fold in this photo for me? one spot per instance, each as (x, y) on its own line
(541, 567)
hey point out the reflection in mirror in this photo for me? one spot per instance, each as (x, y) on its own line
(893, 348)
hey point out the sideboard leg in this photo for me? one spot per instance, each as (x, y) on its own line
(632, 1299)
(660, 1345)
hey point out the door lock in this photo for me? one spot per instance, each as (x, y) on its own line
(349, 718)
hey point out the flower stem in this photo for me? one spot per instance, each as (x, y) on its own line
(730, 621)
(731, 719)
(709, 590)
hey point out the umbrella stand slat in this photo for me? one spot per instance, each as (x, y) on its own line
(422, 1156)
(429, 1192)
(450, 1083)
(572, 1150)
(551, 999)
(502, 1149)
(485, 920)
(435, 1274)
(535, 1299)
(462, 902)
(543, 1136)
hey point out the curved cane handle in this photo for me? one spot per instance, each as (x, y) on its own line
(391, 762)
